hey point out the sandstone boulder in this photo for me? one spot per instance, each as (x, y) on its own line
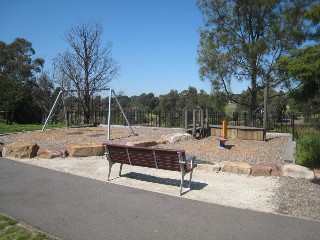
(176, 137)
(85, 150)
(296, 171)
(317, 173)
(235, 167)
(20, 150)
(45, 153)
(265, 169)
(59, 152)
(147, 143)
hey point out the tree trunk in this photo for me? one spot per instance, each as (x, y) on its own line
(254, 106)
(86, 109)
(254, 90)
(9, 117)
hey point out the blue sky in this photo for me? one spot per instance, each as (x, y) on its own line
(154, 41)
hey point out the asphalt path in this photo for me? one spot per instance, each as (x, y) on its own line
(74, 207)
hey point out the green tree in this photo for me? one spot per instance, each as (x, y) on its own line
(18, 81)
(43, 92)
(168, 102)
(243, 39)
(218, 101)
(144, 101)
(124, 101)
(188, 99)
(203, 100)
(313, 15)
(87, 66)
(151, 102)
(303, 66)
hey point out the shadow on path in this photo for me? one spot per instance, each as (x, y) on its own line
(165, 181)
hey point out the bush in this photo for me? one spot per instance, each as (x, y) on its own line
(308, 148)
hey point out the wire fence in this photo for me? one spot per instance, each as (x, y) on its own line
(184, 119)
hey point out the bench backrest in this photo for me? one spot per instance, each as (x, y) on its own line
(166, 159)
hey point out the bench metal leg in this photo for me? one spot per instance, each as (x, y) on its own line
(190, 179)
(182, 190)
(192, 159)
(120, 169)
(181, 184)
(110, 166)
(185, 190)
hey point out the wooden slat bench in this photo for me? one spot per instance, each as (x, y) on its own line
(167, 159)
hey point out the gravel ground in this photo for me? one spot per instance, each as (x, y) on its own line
(298, 197)
(295, 197)
(237, 150)
(206, 150)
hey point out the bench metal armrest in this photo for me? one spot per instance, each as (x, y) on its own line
(192, 160)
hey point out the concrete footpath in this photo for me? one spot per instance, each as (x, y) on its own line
(74, 207)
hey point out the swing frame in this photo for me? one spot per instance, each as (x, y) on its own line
(111, 94)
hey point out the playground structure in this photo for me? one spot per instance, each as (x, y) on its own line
(199, 127)
(199, 123)
(111, 94)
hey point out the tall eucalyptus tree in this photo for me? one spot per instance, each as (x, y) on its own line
(243, 39)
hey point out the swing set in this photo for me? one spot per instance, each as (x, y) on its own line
(111, 94)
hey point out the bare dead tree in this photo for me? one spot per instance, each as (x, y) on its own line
(87, 66)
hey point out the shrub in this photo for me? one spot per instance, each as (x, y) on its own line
(308, 148)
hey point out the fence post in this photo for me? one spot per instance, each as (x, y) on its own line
(194, 124)
(186, 119)
(202, 123)
(67, 120)
(207, 123)
(292, 124)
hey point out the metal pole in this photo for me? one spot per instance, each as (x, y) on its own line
(124, 115)
(109, 114)
(64, 109)
(55, 102)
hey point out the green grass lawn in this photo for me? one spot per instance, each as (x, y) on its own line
(10, 229)
(4, 128)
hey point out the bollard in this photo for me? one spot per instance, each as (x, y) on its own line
(224, 129)
(224, 132)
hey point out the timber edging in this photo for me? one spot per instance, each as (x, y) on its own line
(240, 132)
